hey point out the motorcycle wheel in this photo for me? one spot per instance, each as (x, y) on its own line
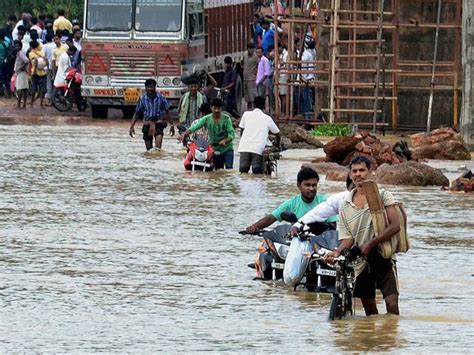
(348, 304)
(61, 102)
(311, 281)
(335, 310)
(273, 170)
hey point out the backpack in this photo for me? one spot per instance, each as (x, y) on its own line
(10, 54)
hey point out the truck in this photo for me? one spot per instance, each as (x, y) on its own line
(126, 42)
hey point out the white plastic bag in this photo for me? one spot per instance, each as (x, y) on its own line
(297, 261)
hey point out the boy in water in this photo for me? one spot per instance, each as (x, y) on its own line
(152, 105)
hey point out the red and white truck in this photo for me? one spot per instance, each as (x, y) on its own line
(128, 41)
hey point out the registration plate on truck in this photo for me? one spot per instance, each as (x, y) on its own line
(131, 94)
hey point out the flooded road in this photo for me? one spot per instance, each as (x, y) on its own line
(103, 248)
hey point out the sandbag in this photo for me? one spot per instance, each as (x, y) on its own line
(297, 261)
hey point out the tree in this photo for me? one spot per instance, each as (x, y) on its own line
(73, 8)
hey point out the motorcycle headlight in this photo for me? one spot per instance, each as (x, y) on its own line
(199, 155)
(283, 251)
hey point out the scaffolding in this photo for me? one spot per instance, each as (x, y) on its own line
(360, 64)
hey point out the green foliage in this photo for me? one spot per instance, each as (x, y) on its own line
(332, 130)
(73, 8)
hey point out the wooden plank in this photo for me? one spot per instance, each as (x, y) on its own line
(378, 62)
(356, 110)
(313, 122)
(405, 63)
(357, 41)
(387, 13)
(349, 97)
(429, 25)
(333, 46)
(350, 70)
(361, 55)
(362, 26)
(422, 74)
(362, 85)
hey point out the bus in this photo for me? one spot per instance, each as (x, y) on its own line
(126, 42)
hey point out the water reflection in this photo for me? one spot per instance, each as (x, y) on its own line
(375, 333)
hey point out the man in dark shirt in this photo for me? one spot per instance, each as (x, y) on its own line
(229, 83)
(152, 105)
(11, 22)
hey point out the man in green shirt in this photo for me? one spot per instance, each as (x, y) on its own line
(221, 134)
(307, 182)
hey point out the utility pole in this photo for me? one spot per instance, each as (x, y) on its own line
(467, 110)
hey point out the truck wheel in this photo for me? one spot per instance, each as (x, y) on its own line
(128, 111)
(99, 111)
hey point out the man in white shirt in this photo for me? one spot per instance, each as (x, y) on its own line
(306, 96)
(283, 80)
(35, 26)
(25, 21)
(255, 126)
(77, 39)
(47, 50)
(64, 62)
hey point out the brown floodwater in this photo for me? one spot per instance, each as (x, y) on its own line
(105, 248)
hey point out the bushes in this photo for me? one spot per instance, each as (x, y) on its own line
(333, 129)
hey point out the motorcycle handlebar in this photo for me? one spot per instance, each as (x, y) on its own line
(258, 232)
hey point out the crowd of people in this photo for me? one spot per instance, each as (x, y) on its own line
(258, 67)
(35, 53)
(348, 208)
(196, 114)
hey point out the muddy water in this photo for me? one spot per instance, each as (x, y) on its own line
(103, 248)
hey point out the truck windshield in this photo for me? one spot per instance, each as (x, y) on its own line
(109, 15)
(158, 15)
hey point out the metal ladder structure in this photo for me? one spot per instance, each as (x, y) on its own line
(365, 69)
(356, 77)
(349, 93)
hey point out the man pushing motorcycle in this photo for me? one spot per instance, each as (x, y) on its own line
(221, 134)
(356, 227)
(307, 182)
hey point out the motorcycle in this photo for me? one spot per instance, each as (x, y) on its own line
(271, 155)
(199, 156)
(336, 279)
(200, 152)
(65, 95)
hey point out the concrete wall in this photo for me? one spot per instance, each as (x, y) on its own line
(467, 110)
